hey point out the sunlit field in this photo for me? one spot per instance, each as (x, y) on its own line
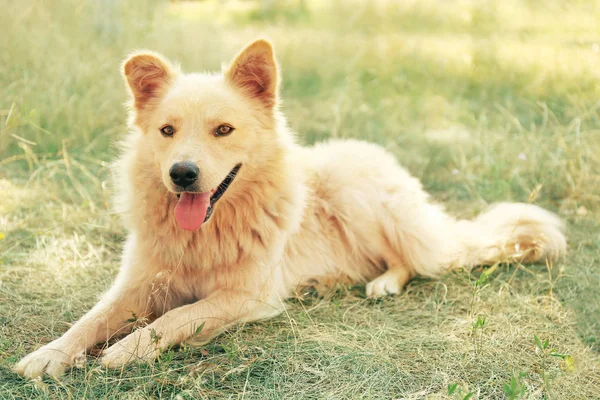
(484, 101)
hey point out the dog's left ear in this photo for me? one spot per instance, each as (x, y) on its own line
(255, 72)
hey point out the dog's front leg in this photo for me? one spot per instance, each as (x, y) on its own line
(199, 321)
(107, 318)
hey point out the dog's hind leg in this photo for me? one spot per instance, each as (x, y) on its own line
(390, 282)
(415, 239)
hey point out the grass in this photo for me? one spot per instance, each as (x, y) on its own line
(484, 101)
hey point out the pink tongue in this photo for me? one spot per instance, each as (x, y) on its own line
(191, 209)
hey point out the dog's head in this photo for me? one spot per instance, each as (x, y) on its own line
(202, 129)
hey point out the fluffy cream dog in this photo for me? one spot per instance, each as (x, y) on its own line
(228, 215)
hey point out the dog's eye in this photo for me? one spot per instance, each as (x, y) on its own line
(223, 130)
(167, 130)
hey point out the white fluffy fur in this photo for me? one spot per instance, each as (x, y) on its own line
(338, 211)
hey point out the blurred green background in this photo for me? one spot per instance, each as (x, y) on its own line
(484, 101)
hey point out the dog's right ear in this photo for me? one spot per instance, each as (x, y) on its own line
(148, 76)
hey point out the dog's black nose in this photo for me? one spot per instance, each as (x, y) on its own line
(184, 173)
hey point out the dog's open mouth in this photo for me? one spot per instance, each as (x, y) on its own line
(193, 209)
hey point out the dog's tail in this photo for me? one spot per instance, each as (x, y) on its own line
(509, 232)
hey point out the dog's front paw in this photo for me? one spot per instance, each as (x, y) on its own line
(141, 345)
(52, 359)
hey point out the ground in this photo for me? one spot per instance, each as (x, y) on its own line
(484, 101)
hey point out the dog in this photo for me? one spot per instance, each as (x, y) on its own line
(227, 216)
